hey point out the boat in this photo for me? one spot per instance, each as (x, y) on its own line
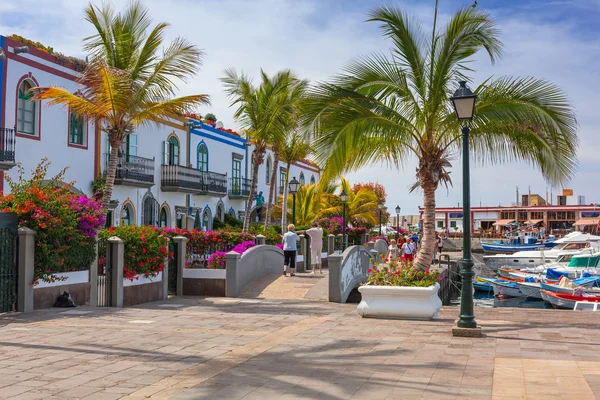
(578, 265)
(482, 285)
(573, 243)
(585, 283)
(506, 288)
(526, 239)
(586, 306)
(565, 300)
(530, 289)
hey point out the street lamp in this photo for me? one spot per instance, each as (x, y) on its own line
(397, 220)
(344, 198)
(463, 102)
(293, 187)
(380, 206)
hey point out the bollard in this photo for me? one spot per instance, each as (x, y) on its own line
(330, 244)
(300, 266)
(260, 240)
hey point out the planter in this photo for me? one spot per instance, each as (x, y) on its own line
(399, 302)
(73, 278)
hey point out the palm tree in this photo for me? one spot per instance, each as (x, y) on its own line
(264, 112)
(293, 150)
(311, 203)
(389, 107)
(297, 89)
(130, 80)
(361, 206)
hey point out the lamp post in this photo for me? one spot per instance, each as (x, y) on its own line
(344, 198)
(380, 206)
(397, 220)
(293, 187)
(463, 101)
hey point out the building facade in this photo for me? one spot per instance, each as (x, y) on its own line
(166, 172)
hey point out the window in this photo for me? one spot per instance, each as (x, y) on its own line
(302, 178)
(282, 180)
(171, 151)
(202, 157)
(268, 176)
(236, 172)
(127, 215)
(312, 180)
(26, 110)
(440, 224)
(150, 210)
(109, 219)
(507, 215)
(537, 215)
(452, 224)
(522, 215)
(180, 216)
(129, 148)
(164, 219)
(77, 129)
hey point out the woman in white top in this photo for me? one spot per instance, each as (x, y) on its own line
(316, 246)
(392, 250)
(290, 240)
(408, 249)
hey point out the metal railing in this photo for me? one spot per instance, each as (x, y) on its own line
(177, 176)
(7, 145)
(239, 187)
(104, 274)
(197, 256)
(214, 182)
(134, 168)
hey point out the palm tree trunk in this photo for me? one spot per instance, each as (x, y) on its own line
(111, 172)
(273, 187)
(253, 184)
(285, 202)
(425, 255)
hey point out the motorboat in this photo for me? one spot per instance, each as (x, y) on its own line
(578, 265)
(573, 243)
(568, 301)
(506, 288)
(532, 289)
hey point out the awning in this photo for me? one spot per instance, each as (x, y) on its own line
(534, 221)
(588, 221)
(503, 222)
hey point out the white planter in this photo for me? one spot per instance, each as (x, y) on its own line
(203, 273)
(142, 280)
(399, 302)
(72, 279)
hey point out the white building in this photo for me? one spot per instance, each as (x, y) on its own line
(166, 172)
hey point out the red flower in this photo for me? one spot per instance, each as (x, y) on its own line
(141, 263)
(144, 251)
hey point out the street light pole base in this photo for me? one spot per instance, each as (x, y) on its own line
(466, 332)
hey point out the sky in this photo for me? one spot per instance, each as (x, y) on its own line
(551, 39)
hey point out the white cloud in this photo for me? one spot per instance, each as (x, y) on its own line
(315, 39)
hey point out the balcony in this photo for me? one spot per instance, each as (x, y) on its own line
(239, 188)
(7, 149)
(134, 171)
(176, 178)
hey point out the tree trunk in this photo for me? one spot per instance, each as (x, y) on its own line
(253, 184)
(425, 254)
(273, 187)
(111, 172)
(284, 207)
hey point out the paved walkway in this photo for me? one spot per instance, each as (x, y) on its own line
(218, 348)
(302, 286)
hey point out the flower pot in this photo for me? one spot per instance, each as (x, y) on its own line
(399, 302)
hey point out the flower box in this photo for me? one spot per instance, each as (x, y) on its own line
(142, 280)
(403, 302)
(72, 278)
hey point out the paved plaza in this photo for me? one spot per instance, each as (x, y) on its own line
(300, 348)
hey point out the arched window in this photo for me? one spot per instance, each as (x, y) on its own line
(26, 110)
(203, 157)
(163, 219)
(268, 176)
(150, 210)
(221, 211)
(312, 180)
(302, 178)
(172, 151)
(127, 215)
(207, 219)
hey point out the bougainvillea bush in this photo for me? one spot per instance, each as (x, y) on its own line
(65, 223)
(217, 259)
(202, 242)
(145, 249)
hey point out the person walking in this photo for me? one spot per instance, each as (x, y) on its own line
(259, 203)
(315, 233)
(393, 251)
(408, 250)
(290, 240)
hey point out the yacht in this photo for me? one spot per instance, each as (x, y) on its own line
(571, 244)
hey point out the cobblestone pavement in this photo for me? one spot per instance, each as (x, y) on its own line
(217, 348)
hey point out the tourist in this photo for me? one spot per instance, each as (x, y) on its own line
(290, 241)
(439, 244)
(315, 233)
(259, 203)
(408, 250)
(393, 250)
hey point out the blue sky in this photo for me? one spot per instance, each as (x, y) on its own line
(551, 39)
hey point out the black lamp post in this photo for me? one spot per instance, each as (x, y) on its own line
(463, 101)
(380, 206)
(293, 187)
(344, 198)
(397, 220)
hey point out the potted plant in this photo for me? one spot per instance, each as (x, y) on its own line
(398, 290)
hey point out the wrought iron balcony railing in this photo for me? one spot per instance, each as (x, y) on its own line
(7, 147)
(134, 170)
(239, 187)
(177, 178)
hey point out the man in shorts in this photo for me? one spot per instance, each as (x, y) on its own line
(259, 203)
(316, 246)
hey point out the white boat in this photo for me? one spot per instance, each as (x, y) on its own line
(572, 243)
(530, 289)
(578, 265)
(506, 288)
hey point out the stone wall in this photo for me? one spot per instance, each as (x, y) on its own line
(255, 263)
(145, 293)
(45, 297)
